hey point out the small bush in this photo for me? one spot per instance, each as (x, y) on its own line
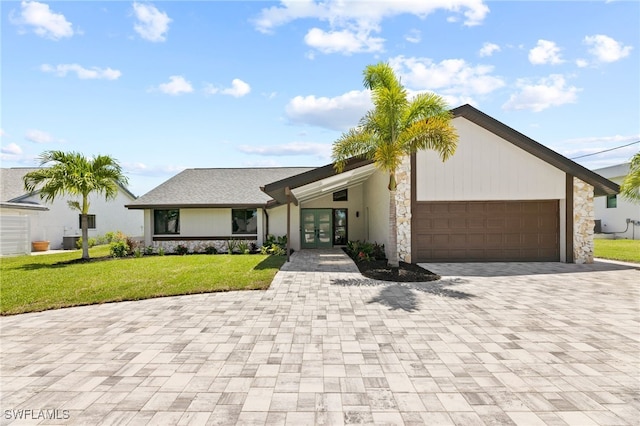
(253, 247)
(138, 253)
(119, 249)
(161, 251)
(92, 242)
(181, 249)
(210, 250)
(273, 249)
(148, 250)
(232, 246)
(243, 247)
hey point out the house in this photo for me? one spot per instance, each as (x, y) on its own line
(501, 197)
(615, 216)
(25, 218)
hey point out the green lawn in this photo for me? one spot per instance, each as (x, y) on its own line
(625, 250)
(37, 283)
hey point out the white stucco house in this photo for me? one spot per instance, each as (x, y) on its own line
(501, 197)
(25, 218)
(616, 217)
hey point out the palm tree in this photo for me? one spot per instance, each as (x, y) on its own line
(630, 188)
(396, 127)
(70, 173)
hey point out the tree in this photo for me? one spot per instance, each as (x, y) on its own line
(630, 188)
(70, 173)
(396, 127)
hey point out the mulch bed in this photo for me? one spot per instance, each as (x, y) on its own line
(407, 272)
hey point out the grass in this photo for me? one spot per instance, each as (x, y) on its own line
(37, 283)
(625, 250)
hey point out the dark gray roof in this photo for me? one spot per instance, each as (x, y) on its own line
(12, 185)
(215, 188)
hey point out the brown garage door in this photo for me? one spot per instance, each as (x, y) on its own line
(486, 231)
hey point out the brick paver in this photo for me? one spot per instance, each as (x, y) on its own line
(513, 343)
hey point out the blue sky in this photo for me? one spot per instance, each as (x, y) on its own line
(164, 85)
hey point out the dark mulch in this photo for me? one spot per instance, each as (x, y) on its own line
(406, 273)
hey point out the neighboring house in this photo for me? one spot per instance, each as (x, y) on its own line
(26, 218)
(501, 197)
(615, 216)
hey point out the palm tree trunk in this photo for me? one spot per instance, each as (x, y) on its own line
(84, 225)
(393, 231)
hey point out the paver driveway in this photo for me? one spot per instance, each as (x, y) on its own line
(489, 344)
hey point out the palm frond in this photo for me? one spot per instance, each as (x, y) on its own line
(356, 142)
(630, 188)
(437, 134)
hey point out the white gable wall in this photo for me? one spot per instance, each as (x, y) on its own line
(486, 167)
(614, 220)
(61, 220)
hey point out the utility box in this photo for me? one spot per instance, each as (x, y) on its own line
(70, 242)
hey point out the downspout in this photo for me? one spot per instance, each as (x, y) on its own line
(266, 224)
(287, 191)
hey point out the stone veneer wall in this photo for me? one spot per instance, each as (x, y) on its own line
(583, 222)
(403, 209)
(195, 246)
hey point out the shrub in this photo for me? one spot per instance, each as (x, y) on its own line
(243, 247)
(138, 253)
(92, 242)
(160, 251)
(363, 251)
(119, 249)
(210, 250)
(181, 249)
(148, 250)
(253, 247)
(273, 249)
(232, 245)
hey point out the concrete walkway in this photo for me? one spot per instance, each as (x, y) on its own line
(522, 344)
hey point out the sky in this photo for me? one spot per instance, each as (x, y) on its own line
(167, 85)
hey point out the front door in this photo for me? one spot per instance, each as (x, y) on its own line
(317, 228)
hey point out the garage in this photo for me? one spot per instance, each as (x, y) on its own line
(487, 231)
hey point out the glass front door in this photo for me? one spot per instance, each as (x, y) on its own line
(317, 228)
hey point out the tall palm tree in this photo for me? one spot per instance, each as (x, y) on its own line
(396, 127)
(630, 188)
(70, 173)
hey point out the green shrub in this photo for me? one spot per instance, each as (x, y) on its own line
(92, 242)
(232, 246)
(119, 249)
(273, 249)
(181, 249)
(210, 250)
(161, 251)
(243, 247)
(148, 250)
(138, 253)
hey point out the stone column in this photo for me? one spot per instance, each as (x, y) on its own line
(583, 221)
(403, 209)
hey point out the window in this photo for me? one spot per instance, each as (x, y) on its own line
(244, 221)
(340, 195)
(91, 221)
(612, 201)
(166, 221)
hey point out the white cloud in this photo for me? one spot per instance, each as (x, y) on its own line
(45, 22)
(61, 70)
(488, 49)
(548, 92)
(152, 24)
(177, 85)
(238, 89)
(11, 149)
(343, 41)
(414, 36)
(606, 49)
(545, 52)
(340, 13)
(452, 77)
(322, 150)
(337, 113)
(351, 23)
(582, 63)
(3, 133)
(38, 136)
(143, 169)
